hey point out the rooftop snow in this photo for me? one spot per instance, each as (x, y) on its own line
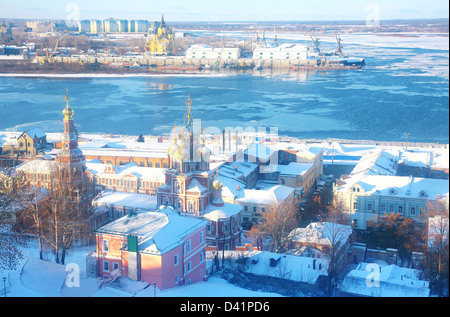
(158, 232)
(273, 195)
(131, 200)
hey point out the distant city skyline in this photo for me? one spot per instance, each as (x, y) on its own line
(231, 10)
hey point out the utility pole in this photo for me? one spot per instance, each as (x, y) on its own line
(406, 134)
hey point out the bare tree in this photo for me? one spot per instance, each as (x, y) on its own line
(435, 245)
(67, 209)
(335, 227)
(32, 214)
(277, 222)
(11, 239)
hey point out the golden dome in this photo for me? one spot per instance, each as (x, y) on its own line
(68, 112)
(204, 151)
(173, 148)
(217, 184)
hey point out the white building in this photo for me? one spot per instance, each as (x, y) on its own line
(256, 202)
(208, 52)
(283, 52)
(378, 280)
(371, 196)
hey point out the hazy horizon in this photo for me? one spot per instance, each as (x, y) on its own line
(231, 11)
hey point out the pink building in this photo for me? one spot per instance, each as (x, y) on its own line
(162, 247)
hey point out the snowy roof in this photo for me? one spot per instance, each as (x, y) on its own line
(117, 152)
(232, 186)
(238, 169)
(260, 151)
(394, 281)
(289, 267)
(130, 200)
(158, 232)
(376, 163)
(215, 213)
(423, 158)
(37, 166)
(152, 173)
(283, 47)
(292, 169)
(195, 186)
(35, 133)
(400, 186)
(273, 195)
(326, 233)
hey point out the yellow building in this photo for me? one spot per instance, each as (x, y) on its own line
(161, 41)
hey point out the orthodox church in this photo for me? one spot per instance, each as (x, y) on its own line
(69, 164)
(192, 188)
(161, 41)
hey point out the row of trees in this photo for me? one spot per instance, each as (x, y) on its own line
(55, 217)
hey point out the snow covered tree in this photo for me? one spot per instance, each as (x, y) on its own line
(32, 214)
(11, 239)
(67, 209)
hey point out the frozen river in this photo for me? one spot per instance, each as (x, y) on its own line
(404, 87)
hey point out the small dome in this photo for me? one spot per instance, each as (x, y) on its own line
(68, 112)
(217, 184)
(204, 151)
(181, 154)
(173, 148)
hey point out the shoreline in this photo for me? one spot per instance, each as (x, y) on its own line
(108, 75)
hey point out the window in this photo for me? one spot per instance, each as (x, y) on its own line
(413, 211)
(176, 259)
(400, 209)
(391, 208)
(245, 208)
(188, 246)
(383, 207)
(254, 209)
(105, 245)
(369, 207)
(189, 266)
(201, 237)
(105, 266)
(201, 257)
(115, 266)
(355, 205)
(176, 279)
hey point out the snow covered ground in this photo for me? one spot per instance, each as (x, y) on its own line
(39, 278)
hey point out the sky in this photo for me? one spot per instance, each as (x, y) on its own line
(225, 10)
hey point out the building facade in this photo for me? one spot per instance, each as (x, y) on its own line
(369, 197)
(162, 248)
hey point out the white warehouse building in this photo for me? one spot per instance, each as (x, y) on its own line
(284, 51)
(208, 52)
